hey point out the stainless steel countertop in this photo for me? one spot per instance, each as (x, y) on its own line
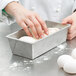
(45, 65)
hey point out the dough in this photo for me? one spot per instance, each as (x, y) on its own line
(33, 40)
(28, 39)
(53, 30)
(70, 67)
(73, 54)
(64, 59)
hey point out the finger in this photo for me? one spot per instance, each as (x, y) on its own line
(67, 20)
(72, 27)
(38, 27)
(43, 24)
(71, 36)
(32, 27)
(23, 25)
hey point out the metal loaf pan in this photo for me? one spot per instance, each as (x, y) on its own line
(33, 50)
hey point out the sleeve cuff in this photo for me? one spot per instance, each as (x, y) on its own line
(74, 10)
(74, 7)
(4, 3)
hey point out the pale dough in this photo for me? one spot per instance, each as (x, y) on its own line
(53, 30)
(28, 39)
(33, 40)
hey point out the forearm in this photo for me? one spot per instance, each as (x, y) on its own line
(11, 8)
(26, 18)
(4, 17)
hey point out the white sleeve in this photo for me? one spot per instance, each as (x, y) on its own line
(3, 16)
(74, 7)
(3, 3)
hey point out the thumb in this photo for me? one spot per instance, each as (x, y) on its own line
(67, 20)
(73, 27)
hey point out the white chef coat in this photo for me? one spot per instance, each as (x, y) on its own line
(53, 10)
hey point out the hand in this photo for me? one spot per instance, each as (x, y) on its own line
(72, 30)
(26, 18)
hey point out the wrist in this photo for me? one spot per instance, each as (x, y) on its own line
(11, 8)
(3, 10)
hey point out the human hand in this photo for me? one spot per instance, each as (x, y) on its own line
(72, 30)
(26, 18)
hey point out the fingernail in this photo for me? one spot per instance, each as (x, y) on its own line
(30, 35)
(42, 36)
(47, 32)
(37, 37)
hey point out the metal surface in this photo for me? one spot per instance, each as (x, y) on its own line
(33, 50)
(45, 65)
